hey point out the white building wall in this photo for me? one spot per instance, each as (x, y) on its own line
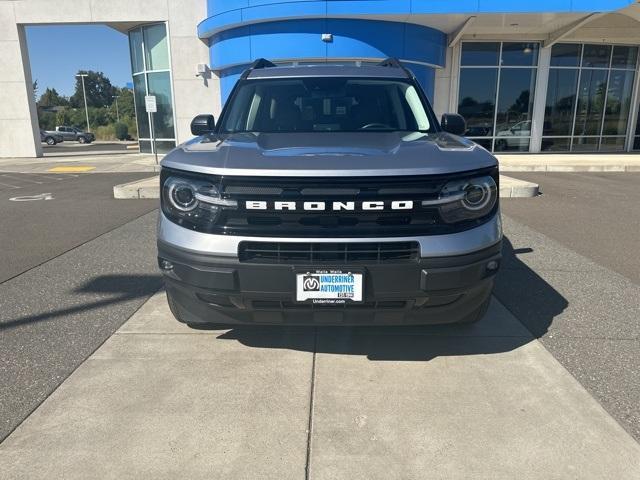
(18, 119)
(17, 105)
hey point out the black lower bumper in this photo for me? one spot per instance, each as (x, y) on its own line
(208, 289)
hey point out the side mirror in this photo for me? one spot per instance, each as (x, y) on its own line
(453, 123)
(203, 124)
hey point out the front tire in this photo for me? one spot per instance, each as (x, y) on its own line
(82, 140)
(50, 141)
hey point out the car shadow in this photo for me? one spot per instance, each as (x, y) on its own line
(101, 291)
(521, 292)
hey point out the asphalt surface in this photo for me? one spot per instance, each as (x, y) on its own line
(82, 208)
(595, 214)
(72, 270)
(572, 276)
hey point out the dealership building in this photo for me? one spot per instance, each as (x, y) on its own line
(544, 76)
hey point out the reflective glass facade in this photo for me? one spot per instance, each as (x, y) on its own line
(151, 76)
(496, 93)
(589, 97)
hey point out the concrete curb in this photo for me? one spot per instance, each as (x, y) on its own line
(514, 188)
(146, 188)
(150, 188)
(569, 168)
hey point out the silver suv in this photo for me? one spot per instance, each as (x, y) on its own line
(329, 194)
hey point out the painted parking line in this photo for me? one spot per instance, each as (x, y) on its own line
(22, 178)
(482, 401)
(71, 169)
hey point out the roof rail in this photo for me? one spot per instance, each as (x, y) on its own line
(257, 64)
(395, 63)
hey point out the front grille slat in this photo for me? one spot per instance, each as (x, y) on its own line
(326, 253)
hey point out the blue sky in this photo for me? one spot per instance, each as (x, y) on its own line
(58, 52)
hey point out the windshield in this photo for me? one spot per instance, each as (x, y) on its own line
(325, 104)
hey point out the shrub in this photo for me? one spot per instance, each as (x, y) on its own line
(121, 131)
(105, 132)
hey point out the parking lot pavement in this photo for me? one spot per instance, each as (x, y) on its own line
(595, 214)
(573, 278)
(53, 316)
(81, 207)
(159, 400)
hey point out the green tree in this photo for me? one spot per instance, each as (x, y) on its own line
(125, 103)
(46, 120)
(51, 98)
(99, 90)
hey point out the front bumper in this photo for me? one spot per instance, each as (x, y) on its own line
(216, 288)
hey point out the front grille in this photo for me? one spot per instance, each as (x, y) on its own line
(326, 253)
(334, 220)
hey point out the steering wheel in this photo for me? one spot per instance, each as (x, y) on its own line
(375, 125)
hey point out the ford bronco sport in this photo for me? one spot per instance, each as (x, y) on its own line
(329, 194)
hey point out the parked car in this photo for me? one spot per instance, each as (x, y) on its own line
(75, 134)
(329, 194)
(511, 138)
(51, 138)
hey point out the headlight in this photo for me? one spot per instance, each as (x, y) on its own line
(192, 202)
(466, 199)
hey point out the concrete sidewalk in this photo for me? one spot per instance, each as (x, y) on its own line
(598, 162)
(159, 400)
(95, 163)
(150, 188)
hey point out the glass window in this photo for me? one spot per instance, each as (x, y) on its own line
(150, 63)
(480, 53)
(135, 47)
(619, 95)
(165, 146)
(484, 143)
(497, 102)
(556, 144)
(155, 44)
(585, 144)
(596, 56)
(515, 108)
(326, 104)
(601, 89)
(591, 95)
(139, 91)
(519, 54)
(145, 146)
(477, 100)
(624, 57)
(565, 55)
(561, 97)
(160, 86)
(612, 144)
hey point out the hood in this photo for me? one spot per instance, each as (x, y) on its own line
(329, 154)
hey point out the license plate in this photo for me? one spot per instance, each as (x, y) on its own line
(330, 287)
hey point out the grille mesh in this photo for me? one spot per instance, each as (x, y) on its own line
(322, 253)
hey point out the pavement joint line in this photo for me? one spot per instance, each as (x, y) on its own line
(74, 247)
(91, 353)
(312, 391)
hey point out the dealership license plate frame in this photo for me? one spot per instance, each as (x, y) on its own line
(309, 298)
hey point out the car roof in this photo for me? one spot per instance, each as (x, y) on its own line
(328, 70)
